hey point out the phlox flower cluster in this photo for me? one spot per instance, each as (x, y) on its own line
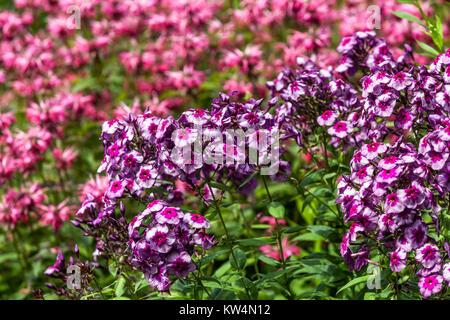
(400, 175)
(163, 246)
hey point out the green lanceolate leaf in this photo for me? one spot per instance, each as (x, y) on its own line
(238, 259)
(276, 210)
(354, 282)
(409, 17)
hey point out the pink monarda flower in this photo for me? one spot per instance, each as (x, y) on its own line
(95, 186)
(289, 249)
(64, 158)
(430, 285)
(55, 216)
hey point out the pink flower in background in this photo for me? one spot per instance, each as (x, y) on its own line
(273, 251)
(19, 206)
(55, 216)
(95, 186)
(289, 249)
(64, 158)
(272, 222)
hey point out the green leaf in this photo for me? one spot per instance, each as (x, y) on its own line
(212, 256)
(256, 242)
(276, 210)
(112, 267)
(325, 231)
(322, 193)
(308, 237)
(269, 260)
(293, 229)
(312, 178)
(427, 48)
(354, 282)
(406, 1)
(120, 288)
(409, 17)
(218, 185)
(241, 258)
(437, 33)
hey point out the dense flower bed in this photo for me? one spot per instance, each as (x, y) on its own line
(344, 155)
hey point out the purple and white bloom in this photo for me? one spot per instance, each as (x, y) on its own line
(446, 272)
(115, 150)
(389, 176)
(345, 65)
(403, 120)
(111, 126)
(341, 129)
(398, 260)
(430, 285)
(295, 90)
(146, 176)
(195, 116)
(196, 221)
(403, 243)
(131, 159)
(180, 264)
(251, 120)
(393, 204)
(435, 159)
(327, 118)
(358, 160)
(447, 75)
(160, 238)
(424, 272)
(417, 234)
(413, 196)
(428, 255)
(401, 81)
(390, 162)
(384, 105)
(386, 222)
(116, 189)
(443, 98)
(362, 175)
(372, 150)
(347, 44)
(184, 137)
(169, 215)
(158, 278)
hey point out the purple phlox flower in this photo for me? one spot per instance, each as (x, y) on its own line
(430, 285)
(180, 264)
(196, 221)
(417, 234)
(398, 260)
(372, 150)
(160, 238)
(428, 255)
(341, 129)
(327, 118)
